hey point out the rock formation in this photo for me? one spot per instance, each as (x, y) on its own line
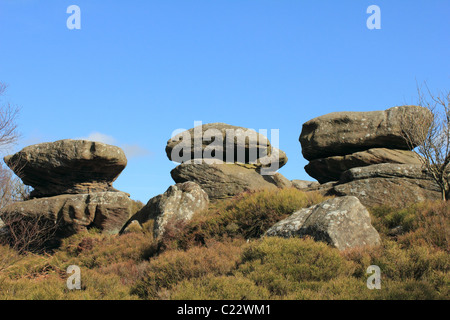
(236, 159)
(72, 181)
(304, 184)
(224, 143)
(73, 213)
(178, 203)
(222, 181)
(393, 184)
(364, 154)
(217, 161)
(331, 168)
(342, 133)
(339, 141)
(68, 167)
(341, 222)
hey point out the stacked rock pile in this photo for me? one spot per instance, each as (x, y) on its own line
(217, 161)
(72, 182)
(365, 154)
(339, 141)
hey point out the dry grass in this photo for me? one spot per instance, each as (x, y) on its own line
(210, 258)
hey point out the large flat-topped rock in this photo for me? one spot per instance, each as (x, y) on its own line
(68, 166)
(341, 133)
(224, 142)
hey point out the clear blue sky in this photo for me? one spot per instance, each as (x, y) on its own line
(138, 70)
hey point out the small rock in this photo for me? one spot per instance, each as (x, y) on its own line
(303, 184)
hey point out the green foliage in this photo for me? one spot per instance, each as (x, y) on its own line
(281, 265)
(136, 205)
(209, 258)
(397, 263)
(426, 223)
(247, 216)
(219, 288)
(173, 266)
(95, 286)
(95, 250)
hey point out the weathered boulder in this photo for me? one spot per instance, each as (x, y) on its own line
(178, 203)
(223, 142)
(395, 192)
(396, 185)
(106, 211)
(342, 133)
(331, 168)
(386, 170)
(279, 180)
(222, 181)
(303, 184)
(341, 222)
(275, 160)
(325, 189)
(68, 167)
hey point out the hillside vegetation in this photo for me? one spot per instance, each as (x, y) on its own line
(220, 254)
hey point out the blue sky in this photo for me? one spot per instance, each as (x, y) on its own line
(138, 70)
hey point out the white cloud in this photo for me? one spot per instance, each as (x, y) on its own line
(131, 150)
(100, 137)
(134, 151)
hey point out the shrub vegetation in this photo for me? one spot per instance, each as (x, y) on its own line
(220, 254)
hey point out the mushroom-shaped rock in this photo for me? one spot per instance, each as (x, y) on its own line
(221, 142)
(68, 167)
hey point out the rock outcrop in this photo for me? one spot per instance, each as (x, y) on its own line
(341, 222)
(68, 166)
(72, 213)
(331, 168)
(304, 184)
(72, 181)
(222, 181)
(178, 203)
(226, 160)
(342, 133)
(224, 143)
(365, 154)
(339, 141)
(396, 185)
